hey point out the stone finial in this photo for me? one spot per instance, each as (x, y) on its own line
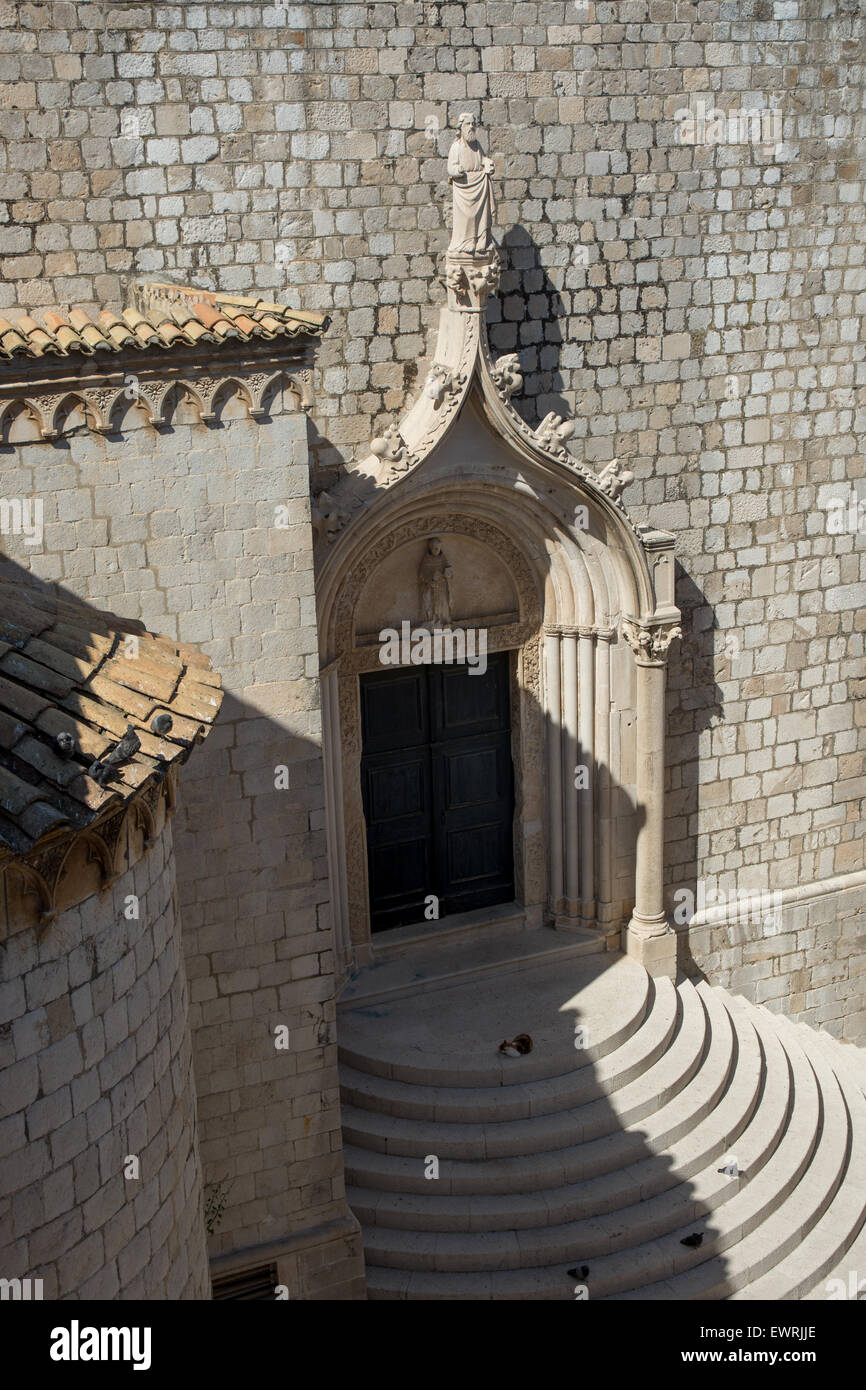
(441, 380)
(553, 432)
(389, 445)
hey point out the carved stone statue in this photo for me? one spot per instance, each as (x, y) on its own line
(434, 584)
(469, 171)
(327, 517)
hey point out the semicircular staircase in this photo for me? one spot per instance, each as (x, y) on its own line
(689, 1115)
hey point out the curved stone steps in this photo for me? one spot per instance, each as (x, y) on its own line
(586, 1165)
(748, 1251)
(805, 1272)
(580, 1161)
(671, 1058)
(398, 1133)
(846, 1280)
(631, 1187)
(617, 998)
(648, 1236)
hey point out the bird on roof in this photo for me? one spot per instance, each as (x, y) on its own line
(106, 767)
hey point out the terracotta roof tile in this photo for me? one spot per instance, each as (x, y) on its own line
(158, 315)
(68, 695)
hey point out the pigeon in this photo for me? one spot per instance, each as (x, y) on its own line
(105, 767)
(693, 1241)
(518, 1046)
(65, 744)
(579, 1271)
(161, 724)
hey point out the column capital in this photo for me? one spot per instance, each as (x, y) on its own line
(650, 642)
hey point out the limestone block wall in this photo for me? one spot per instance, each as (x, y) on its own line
(181, 530)
(97, 1071)
(699, 305)
(808, 959)
(697, 302)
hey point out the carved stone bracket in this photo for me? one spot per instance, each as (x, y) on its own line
(650, 643)
(471, 279)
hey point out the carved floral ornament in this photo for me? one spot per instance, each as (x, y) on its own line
(650, 643)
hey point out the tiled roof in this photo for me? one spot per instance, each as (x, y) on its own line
(69, 695)
(158, 316)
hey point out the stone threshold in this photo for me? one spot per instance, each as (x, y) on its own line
(436, 955)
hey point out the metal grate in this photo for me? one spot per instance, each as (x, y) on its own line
(249, 1285)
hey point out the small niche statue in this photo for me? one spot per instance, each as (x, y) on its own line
(469, 171)
(434, 583)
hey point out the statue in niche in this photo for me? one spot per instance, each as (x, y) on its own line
(469, 171)
(434, 584)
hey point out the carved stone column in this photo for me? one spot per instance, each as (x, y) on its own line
(553, 701)
(586, 759)
(649, 937)
(603, 638)
(571, 906)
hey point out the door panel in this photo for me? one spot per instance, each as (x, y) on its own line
(467, 703)
(394, 710)
(438, 789)
(398, 809)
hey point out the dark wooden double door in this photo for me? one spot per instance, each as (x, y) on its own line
(438, 788)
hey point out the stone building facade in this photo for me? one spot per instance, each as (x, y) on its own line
(691, 294)
(100, 1182)
(680, 282)
(175, 485)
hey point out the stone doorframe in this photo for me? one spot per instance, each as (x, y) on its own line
(595, 587)
(341, 731)
(563, 714)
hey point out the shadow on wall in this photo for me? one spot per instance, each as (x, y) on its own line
(526, 317)
(248, 829)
